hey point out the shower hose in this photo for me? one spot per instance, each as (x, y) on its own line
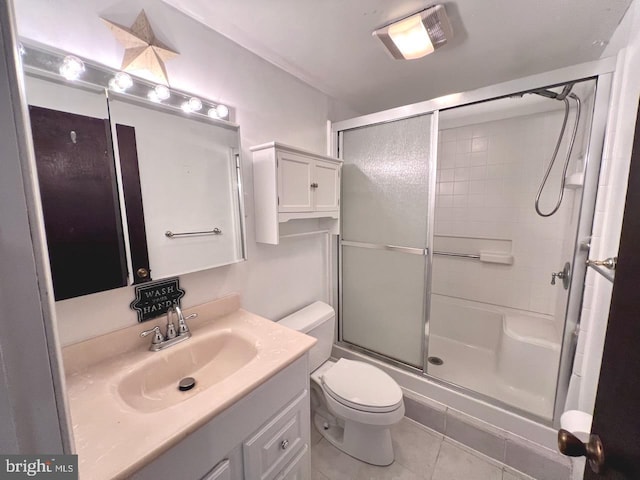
(555, 154)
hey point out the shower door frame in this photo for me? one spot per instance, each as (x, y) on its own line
(602, 72)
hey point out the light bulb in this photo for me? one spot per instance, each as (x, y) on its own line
(71, 68)
(21, 49)
(162, 92)
(219, 111)
(222, 110)
(195, 105)
(120, 82)
(153, 96)
(123, 80)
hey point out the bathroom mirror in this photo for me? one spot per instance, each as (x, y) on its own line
(133, 189)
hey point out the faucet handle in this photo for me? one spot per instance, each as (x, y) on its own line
(157, 336)
(183, 328)
(171, 331)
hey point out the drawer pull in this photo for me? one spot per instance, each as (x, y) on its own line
(284, 445)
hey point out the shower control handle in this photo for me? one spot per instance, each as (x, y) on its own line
(563, 275)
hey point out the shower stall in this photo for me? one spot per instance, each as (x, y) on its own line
(465, 226)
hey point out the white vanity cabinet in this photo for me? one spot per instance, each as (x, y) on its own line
(263, 436)
(293, 185)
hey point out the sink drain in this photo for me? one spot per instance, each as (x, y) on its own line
(435, 360)
(186, 383)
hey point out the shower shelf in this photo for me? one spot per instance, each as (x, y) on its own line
(575, 180)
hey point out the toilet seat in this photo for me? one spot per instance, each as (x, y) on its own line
(362, 387)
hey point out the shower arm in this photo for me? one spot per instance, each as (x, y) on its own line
(564, 96)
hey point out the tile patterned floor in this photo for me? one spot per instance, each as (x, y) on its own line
(421, 454)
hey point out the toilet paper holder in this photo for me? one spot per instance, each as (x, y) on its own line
(572, 446)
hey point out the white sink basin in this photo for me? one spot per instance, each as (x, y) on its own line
(152, 384)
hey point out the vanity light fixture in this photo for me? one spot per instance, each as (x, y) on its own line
(219, 111)
(416, 35)
(38, 60)
(71, 68)
(121, 82)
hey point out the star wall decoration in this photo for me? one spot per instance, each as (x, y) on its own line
(144, 54)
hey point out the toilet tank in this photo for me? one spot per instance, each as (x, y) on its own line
(317, 320)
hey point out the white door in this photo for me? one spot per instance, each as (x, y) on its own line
(294, 183)
(326, 181)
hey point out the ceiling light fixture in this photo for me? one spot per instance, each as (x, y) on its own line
(416, 35)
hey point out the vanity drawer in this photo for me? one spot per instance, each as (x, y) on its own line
(299, 468)
(278, 441)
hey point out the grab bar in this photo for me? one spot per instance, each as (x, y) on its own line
(463, 255)
(484, 256)
(393, 248)
(170, 234)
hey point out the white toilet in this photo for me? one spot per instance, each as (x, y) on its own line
(354, 404)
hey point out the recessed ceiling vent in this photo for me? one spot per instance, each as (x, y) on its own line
(417, 35)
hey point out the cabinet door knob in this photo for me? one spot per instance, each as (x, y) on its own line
(142, 272)
(284, 445)
(314, 185)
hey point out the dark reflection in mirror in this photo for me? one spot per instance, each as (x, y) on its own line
(79, 195)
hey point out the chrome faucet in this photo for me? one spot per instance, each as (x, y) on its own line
(160, 342)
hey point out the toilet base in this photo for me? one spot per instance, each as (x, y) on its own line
(368, 443)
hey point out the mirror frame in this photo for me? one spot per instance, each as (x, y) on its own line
(44, 62)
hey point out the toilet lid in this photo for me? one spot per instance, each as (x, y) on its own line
(362, 386)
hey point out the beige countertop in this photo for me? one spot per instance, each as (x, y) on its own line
(112, 438)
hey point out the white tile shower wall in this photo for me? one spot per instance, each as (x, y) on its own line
(270, 105)
(487, 178)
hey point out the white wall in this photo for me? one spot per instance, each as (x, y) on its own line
(269, 104)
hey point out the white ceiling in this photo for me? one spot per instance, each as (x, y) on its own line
(328, 43)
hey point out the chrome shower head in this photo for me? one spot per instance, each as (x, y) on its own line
(566, 90)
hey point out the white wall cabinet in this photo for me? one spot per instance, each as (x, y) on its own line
(290, 185)
(263, 436)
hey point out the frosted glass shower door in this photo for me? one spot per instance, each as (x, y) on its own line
(385, 199)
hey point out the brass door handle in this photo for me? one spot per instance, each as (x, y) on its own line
(572, 446)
